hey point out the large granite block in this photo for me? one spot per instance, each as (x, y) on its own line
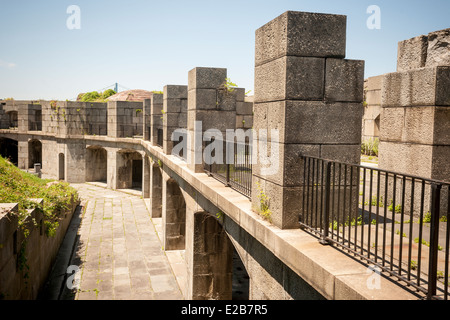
(344, 80)
(301, 34)
(412, 53)
(420, 87)
(206, 78)
(438, 51)
(311, 122)
(296, 78)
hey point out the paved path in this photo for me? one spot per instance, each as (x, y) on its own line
(119, 251)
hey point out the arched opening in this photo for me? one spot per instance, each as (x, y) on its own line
(240, 279)
(174, 217)
(218, 271)
(129, 174)
(96, 164)
(212, 260)
(34, 153)
(9, 149)
(61, 167)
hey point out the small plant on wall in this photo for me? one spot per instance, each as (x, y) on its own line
(263, 207)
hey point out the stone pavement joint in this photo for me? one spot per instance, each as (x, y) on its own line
(119, 252)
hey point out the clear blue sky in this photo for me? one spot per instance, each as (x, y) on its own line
(148, 44)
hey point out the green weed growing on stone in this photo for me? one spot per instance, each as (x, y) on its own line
(263, 207)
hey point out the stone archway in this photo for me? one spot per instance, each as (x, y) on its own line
(9, 149)
(34, 153)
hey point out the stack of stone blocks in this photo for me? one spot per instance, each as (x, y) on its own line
(174, 115)
(415, 116)
(244, 114)
(305, 89)
(210, 106)
(156, 117)
(125, 119)
(415, 121)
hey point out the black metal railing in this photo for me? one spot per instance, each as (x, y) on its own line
(396, 222)
(235, 170)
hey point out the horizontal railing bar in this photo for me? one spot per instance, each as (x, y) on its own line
(383, 171)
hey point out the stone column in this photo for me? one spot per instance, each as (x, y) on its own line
(147, 119)
(173, 215)
(115, 115)
(147, 167)
(415, 117)
(210, 106)
(311, 96)
(175, 114)
(156, 182)
(75, 157)
(156, 116)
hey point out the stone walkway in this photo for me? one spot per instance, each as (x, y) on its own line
(119, 251)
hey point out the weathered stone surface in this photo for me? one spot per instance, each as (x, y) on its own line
(301, 34)
(412, 53)
(413, 159)
(175, 92)
(420, 87)
(409, 125)
(290, 77)
(440, 169)
(373, 98)
(344, 80)
(311, 122)
(206, 78)
(284, 202)
(443, 86)
(438, 52)
(202, 99)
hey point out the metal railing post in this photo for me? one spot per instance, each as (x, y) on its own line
(326, 208)
(434, 239)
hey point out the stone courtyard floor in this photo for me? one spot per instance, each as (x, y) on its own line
(118, 250)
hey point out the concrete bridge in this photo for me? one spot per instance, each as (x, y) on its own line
(307, 96)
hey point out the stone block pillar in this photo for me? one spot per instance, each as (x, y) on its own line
(415, 120)
(210, 106)
(175, 114)
(76, 161)
(173, 215)
(115, 114)
(147, 119)
(156, 118)
(308, 101)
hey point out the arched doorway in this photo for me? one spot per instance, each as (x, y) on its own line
(9, 149)
(34, 153)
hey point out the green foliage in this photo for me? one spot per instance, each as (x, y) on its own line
(370, 147)
(108, 93)
(91, 96)
(264, 204)
(18, 187)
